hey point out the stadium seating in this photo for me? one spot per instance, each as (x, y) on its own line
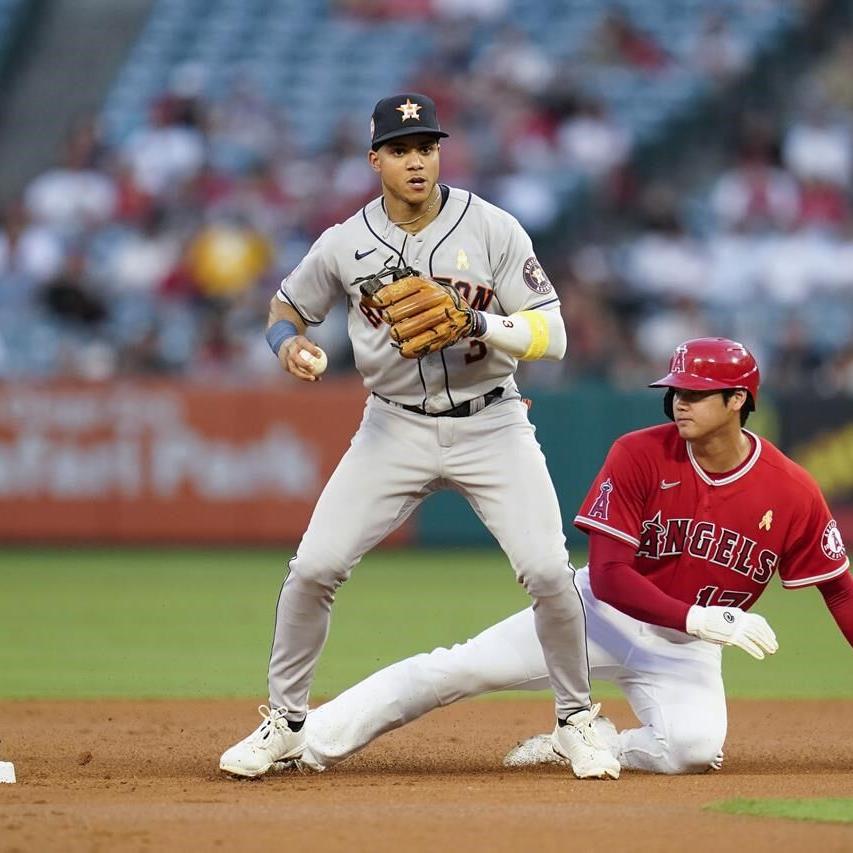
(300, 75)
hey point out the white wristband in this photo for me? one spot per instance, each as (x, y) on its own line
(525, 335)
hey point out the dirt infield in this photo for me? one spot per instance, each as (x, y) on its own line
(142, 776)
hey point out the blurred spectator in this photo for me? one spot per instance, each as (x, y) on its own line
(27, 249)
(717, 52)
(592, 142)
(75, 195)
(837, 374)
(835, 74)
(452, 56)
(823, 205)
(244, 130)
(167, 153)
(755, 194)
(218, 350)
(72, 296)
(797, 359)
(658, 333)
(592, 326)
(665, 262)
(514, 60)
(618, 41)
(140, 259)
(817, 147)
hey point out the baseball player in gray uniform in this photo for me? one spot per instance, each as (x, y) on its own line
(450, 419)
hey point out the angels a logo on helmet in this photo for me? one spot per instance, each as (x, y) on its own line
(831, 541)
(677, 364)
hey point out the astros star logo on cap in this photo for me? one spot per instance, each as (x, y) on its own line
(409, 110)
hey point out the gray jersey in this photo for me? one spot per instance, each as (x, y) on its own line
(479, 248)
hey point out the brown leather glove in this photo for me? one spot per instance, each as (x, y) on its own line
(424, 315)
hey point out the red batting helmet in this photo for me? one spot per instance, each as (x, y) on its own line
(711, 364)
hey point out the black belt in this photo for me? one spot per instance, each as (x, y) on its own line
(463, 410)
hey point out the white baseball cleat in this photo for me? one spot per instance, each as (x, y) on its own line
(272, 741)
(584, 747)
(539, 749)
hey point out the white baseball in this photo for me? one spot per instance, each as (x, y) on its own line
(316, 363)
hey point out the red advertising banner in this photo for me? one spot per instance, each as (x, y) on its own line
(152, 462)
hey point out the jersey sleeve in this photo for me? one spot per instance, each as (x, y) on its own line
(520, 282)
(816, 552)
(615, 501)
(314, 285)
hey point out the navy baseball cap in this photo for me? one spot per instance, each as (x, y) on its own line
(403, 115)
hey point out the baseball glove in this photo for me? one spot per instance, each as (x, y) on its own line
(424, 315)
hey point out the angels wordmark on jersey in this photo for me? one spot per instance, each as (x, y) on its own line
(734, 529)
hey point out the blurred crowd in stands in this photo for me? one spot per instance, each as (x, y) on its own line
(158, 253)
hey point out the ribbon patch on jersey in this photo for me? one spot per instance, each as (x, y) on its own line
(831, 541)
(534, 276)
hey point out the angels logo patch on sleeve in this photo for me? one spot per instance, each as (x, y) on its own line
(831, 542)
(601, 505)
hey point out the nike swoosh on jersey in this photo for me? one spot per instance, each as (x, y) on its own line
(665, 485)
(360, 255)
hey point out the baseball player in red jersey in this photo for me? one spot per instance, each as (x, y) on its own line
(687, 522)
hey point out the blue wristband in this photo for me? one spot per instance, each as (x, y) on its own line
(279, 332)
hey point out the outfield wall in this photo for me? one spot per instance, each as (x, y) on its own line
(166, 462)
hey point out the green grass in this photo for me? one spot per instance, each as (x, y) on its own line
(834, 809)
(87, 623)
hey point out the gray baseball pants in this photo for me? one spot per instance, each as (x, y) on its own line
(395, 460)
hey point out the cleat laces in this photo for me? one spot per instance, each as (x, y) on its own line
(273, 720)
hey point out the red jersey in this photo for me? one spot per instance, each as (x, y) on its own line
(713, 541)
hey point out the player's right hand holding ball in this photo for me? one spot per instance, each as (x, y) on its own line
(302, 358)
(730, 626)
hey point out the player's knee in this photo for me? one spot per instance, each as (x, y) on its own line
(544, 573)
(319, 567)
(448, 675)
(692, 748)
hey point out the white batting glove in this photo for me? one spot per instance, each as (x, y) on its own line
(729, 626)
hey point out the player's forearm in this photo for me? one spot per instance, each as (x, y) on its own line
(616, 582)
(282, 311)
(527, 335)
(838, 595)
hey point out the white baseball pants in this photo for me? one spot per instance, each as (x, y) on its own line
(672, 681)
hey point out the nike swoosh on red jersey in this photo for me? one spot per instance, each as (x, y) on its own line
(665, 485)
